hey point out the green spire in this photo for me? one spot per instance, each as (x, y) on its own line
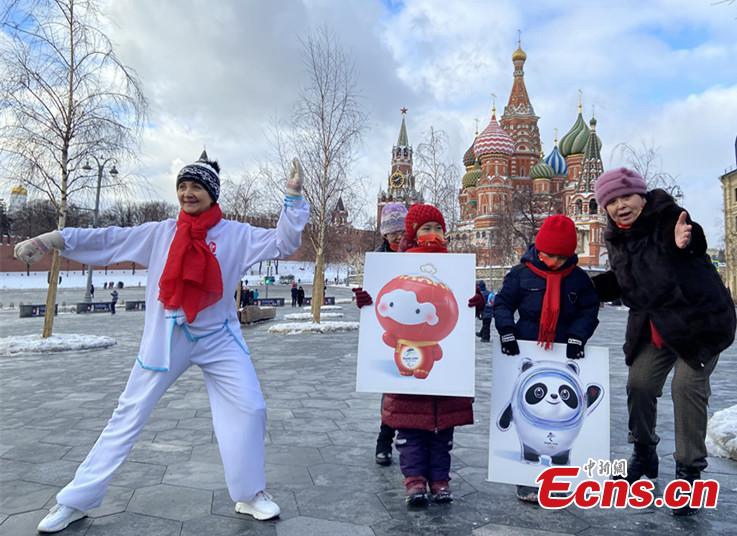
(403, 141)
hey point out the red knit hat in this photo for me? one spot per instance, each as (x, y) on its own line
(419, 215)
(557, 236)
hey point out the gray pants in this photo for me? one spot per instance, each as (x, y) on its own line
(690, 391)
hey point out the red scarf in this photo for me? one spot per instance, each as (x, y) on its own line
(551, 303)
(192, 279)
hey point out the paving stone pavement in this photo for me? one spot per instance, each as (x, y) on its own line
(320, 444)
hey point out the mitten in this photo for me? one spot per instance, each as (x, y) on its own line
(574, 349)
(477, 301)
(363, 298)
(33, 249)
(509, 344)
(296, 180)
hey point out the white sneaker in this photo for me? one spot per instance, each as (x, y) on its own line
(262, 507)
(59, 518)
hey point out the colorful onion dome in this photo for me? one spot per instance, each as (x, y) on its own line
(519, 54)
(493, 140)
(471, 177)
(556, 161)
(541, 170)
(567, 141)
(469, 158)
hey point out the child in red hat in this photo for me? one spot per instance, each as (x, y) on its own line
(425, 423)
(555, 299)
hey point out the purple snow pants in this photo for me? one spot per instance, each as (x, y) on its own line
(425, 453)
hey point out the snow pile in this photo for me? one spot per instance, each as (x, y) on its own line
(60, 342)
(325, 307)
(344, 300)
(311, 327)
(308, 316)
(721, 434)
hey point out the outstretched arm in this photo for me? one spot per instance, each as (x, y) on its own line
(98, 247)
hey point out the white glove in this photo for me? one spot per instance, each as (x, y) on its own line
(296, 179)
(32, 250)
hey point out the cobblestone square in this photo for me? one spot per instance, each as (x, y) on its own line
(320, 443)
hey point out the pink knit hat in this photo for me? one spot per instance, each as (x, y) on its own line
(618, 182)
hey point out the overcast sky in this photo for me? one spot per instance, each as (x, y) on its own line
(218, 72)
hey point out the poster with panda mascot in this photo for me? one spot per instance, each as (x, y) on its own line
(547, 410)
(418, 335)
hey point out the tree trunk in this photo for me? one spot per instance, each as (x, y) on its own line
(318, 285)
(51, 296)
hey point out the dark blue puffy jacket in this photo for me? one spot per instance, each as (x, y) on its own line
(523, 292)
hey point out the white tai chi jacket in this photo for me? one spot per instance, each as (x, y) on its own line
(237, 246)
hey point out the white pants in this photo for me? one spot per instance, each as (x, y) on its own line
(238, 417)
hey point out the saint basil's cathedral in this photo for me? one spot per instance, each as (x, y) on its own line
(509, 185)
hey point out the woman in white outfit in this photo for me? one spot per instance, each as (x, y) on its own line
(194, 263)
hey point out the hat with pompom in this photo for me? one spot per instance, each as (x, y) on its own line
(417, 216)
(204, 172)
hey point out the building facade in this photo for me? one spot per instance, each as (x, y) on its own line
(510, 186)
(729, 190)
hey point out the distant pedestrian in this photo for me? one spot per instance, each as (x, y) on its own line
(104, 285)
(294, 291)
(92, 290)
(113, 301)
(300, 296)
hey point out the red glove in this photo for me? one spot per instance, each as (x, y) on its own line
(477, 301)
(363, 298)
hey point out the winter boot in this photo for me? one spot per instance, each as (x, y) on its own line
(416, 487)
(689, 474)
(384, 445)
(440, 490)
(643, 462)
(527, 493)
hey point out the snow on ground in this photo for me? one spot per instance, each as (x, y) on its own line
(344, 300)
(19, 280)
(302, 272)
(721, 433)
(308, 316)
(60, 342)
(311, 327)
(325, 308)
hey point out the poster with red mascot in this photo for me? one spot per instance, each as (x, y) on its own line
(418, 335)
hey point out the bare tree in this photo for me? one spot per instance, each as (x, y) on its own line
(646, 161)
(242, 198)
(529, 209)
(438, 175)
(326, 127)
(65, 96)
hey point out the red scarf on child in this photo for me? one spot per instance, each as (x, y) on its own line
(551, 303)
(192, 279)
(430, 243)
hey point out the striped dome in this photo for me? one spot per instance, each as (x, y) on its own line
(493, 140)
(541, 170)
(471, 177)
(556, 161)
(568, 141)
(469, 158)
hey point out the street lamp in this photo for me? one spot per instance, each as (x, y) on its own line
(348, 250)
(114, 172)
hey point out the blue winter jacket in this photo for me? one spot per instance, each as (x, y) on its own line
(523, 292)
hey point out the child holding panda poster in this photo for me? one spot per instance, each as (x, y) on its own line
(554, 298)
